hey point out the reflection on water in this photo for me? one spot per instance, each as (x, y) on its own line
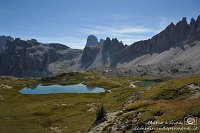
(55, 88)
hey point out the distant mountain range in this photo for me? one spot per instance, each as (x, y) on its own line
(175, 50)
(31, 58)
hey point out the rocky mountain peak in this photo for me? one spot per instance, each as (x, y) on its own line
(7, 37)
(58, 46)
(182, 24)
(171, 25)
(115, 41)
(32, 40)
(91, 41)
(198, 21)
(3, 41)
(32, 58)
(192, 22)
(101, 41)
(17, 40)
(170, 28)
(107, 42)
(184, 19)
(161, 48)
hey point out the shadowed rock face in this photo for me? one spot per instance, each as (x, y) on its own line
(91, 41)
(3, 40)
(177, 44)
(110, 48)
(31, 58)
(173, 36)
(89, 56)
(102, 54)
(58, 46)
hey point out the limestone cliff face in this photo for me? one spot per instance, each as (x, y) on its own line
(102, 54)
(112, 53)
(177, 44)
(3, 40)
(173, 36)
(110, 49)
(31, 58)
(89, 56)
(91, 41)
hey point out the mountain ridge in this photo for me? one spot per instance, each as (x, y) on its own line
(177, 44)
(32, 59)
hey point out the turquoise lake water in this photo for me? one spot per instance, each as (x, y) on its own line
(53, 89)
(144, 83)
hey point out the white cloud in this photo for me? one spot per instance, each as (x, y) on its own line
(76, 42)
(163, 22)
(122, 29)
(73, 42)
(126, 33)
(121, 17)
(76, 38)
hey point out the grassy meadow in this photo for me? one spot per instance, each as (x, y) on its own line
(73, 113)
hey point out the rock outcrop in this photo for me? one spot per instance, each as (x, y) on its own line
(3, 40)
(31, 58)
(101, 55)
(91, 41)
(173, 51)
(173, 36)
(89, 56)
(177, 44)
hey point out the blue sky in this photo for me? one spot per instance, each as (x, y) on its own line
(71, 21)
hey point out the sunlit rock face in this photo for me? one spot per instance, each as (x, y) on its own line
(173, 50)
(177, 44)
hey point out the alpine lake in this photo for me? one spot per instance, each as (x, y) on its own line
(56, 88)
(60, 103)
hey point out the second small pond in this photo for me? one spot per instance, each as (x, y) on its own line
(144, 83)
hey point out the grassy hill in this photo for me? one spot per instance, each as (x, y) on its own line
(72, 113)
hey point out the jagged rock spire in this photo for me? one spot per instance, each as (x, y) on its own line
(91, 41)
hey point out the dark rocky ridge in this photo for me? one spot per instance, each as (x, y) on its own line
(89, 56)
(174, 35)
(101, 54)
(31, 58)
(58, 46)
(177, 44)
(3, 40)
(91, 41)
(110, 48)
(162, 54)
